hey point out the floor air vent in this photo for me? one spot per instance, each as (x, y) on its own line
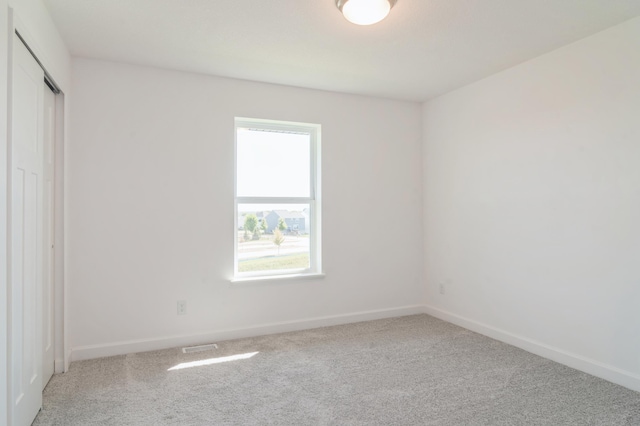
(201, 348)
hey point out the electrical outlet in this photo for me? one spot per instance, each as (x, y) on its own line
(182, 307)
(443, 288)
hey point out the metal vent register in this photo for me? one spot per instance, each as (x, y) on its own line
(200, 348)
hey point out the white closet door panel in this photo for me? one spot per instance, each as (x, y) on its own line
(48, 354)
(27, 165)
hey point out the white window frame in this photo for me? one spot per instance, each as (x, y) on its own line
(314, 199)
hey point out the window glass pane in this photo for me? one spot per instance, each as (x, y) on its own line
(272, 164)
(273, 237)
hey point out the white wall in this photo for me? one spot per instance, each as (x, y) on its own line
(532, 204)
(151, 208)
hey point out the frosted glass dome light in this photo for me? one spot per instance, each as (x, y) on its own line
(365, 12)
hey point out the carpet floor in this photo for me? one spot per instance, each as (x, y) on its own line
(414, 370)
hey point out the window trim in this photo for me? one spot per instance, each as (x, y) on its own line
(314, 199)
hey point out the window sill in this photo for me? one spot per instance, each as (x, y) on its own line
(240, 280)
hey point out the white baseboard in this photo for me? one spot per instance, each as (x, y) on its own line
(589, 366)
(144, 345)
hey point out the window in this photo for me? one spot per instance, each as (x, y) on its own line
(277, 199)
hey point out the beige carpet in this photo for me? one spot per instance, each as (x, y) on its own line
(414, 370)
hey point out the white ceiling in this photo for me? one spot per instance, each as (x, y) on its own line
(423, 49)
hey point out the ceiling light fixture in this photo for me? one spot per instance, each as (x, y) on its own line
(365, 12)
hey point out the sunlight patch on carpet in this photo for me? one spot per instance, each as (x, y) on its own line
(212, 361)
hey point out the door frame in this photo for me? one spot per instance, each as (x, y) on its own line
(62, 350)
(4, 193)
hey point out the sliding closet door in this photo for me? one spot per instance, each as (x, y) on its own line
(48, 354)
(27, 240)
